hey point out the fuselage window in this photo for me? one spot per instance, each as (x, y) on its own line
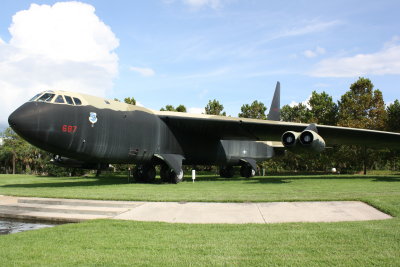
(59, 99)
(77, 101)
(47, 97)
(36, 96)
(106, 101)
(69, 100)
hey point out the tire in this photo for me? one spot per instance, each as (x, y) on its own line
(145, 173)
(149, 174)
(247, 171)
(138, 173)
(226, 172)
(176, 178)
(165, 173)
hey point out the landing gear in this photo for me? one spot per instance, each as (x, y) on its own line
(169, 176)
(247, 171)
(145, 173)
(226, 171)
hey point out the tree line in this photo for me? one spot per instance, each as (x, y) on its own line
(361, 106)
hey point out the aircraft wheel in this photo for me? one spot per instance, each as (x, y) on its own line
(165, 173)
(169, 176)
(226, 172)
(176, 178)
(145, 173)
(150, 173)
(247, 171)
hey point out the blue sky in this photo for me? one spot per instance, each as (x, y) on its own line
(190, 51)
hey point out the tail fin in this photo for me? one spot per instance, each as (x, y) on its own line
(275, 109)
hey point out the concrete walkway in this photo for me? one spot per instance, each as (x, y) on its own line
(74, 210)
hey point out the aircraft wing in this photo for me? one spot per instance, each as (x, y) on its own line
(228, 128)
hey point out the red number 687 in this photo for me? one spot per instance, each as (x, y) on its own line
(69, 128)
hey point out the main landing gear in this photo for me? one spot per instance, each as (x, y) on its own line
(246, 170)
(168, 175)
(146, 173)
(226, 171)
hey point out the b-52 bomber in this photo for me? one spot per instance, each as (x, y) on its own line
(84, 131)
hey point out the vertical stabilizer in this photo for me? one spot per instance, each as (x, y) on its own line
(275, 109)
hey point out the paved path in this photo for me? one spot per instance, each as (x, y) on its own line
(75, 210)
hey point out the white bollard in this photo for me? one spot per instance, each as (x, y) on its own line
(193, 175)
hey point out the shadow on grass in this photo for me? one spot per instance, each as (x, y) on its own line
(118, 180)
(386, 179)
(71, 182)
(266, 180)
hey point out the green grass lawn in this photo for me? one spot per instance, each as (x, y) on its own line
(108, 242)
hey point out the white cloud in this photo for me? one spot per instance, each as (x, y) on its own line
(146, 72)
(313, 53)
(305, 102)
(385, 61)
(64, 46)
(139, 104)
(308, 28)
(196, 110)
(197, 4)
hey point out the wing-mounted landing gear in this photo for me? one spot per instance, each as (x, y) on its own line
(171, 168)
(168, 175)
(145, 173)
(226, 171)
(249, 167)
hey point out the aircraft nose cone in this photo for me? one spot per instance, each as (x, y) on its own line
(23, 120)
(13, 118)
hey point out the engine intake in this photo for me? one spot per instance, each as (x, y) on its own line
(305, 141)
(289, 139)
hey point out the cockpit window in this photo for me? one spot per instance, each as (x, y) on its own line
(59, 99)
(69, 100)
(77, 101)
(47, 97)
(36, 96)
(107, 102)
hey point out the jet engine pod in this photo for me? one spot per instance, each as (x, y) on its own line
(289, 139)
(312, 140)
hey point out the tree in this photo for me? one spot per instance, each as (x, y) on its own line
(255, 111)
(322, 108)
(393, 117)
(116, 99)
(130, 100)
(15, 147)
(362, 107)
(215, 108)
(180, 108)
(297, 113)
(168, 108)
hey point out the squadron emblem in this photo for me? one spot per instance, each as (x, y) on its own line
(93, 118)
